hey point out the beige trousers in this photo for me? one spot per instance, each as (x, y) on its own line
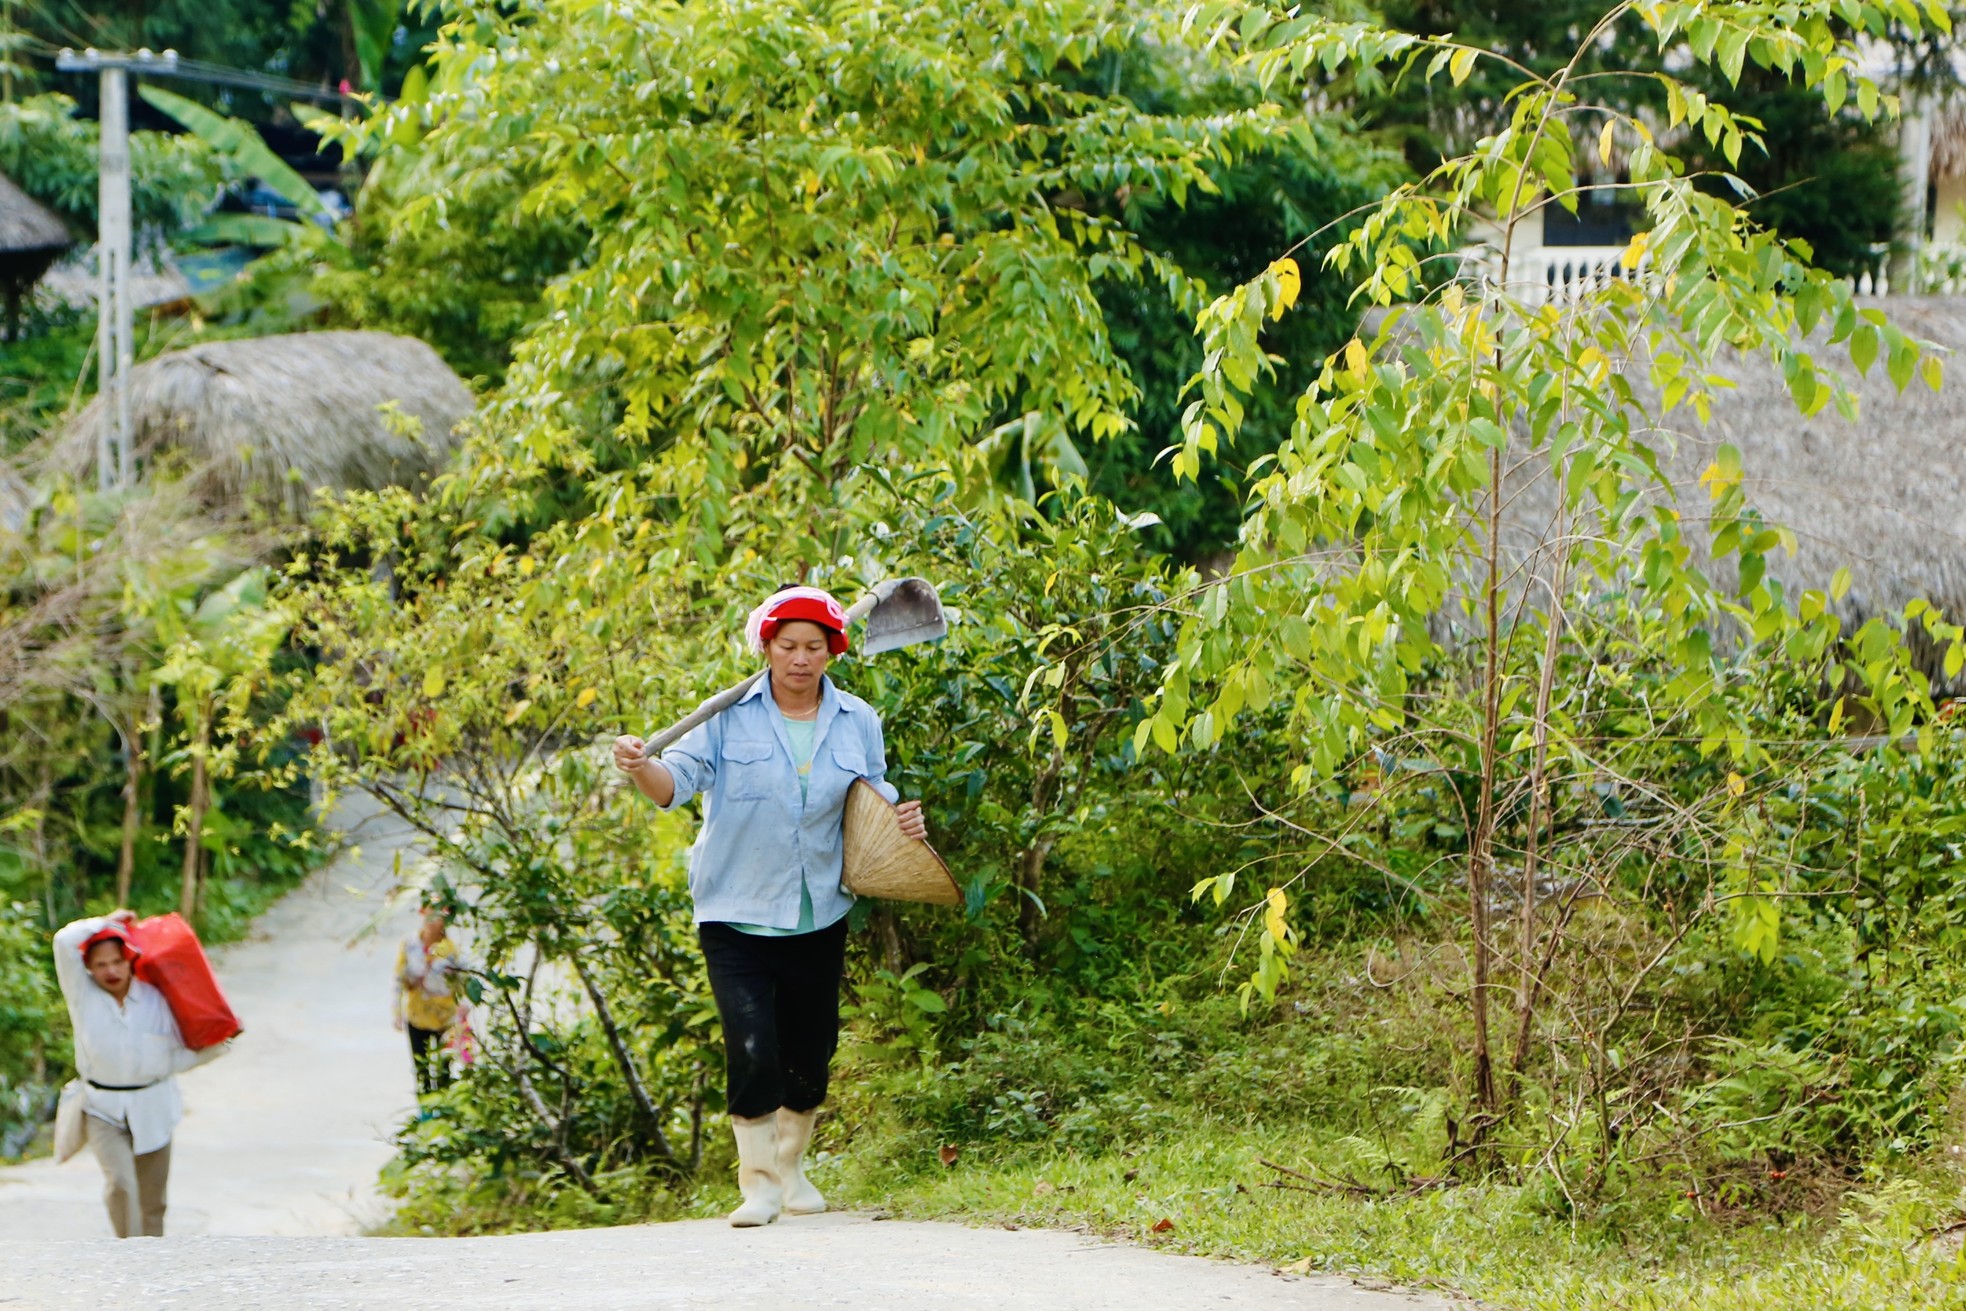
(132, 1186)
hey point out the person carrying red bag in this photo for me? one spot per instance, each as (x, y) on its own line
(128, 1052)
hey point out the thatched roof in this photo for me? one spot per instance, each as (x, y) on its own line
(26, 224)
(1884, 497)
(155, 280)
(274, 418)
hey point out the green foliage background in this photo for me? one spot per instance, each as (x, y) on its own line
(806, 292)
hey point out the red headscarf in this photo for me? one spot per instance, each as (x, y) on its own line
(114, 931)
(807, 603)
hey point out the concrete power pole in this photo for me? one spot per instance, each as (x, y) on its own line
(1914, 174)
(115, 309)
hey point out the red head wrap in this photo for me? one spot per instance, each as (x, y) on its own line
(807, 603)
(116, 932)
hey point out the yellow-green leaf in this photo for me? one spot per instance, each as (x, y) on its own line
(1635, 251)
(1290, 280)
(1273, 908)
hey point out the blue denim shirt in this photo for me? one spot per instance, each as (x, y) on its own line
(759, 840)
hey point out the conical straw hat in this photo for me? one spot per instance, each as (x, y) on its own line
(882, 861)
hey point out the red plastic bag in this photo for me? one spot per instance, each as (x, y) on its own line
(173, 963)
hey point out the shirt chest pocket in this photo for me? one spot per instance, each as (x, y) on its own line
(749, 769)
(829, 785)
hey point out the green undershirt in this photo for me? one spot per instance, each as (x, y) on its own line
(800, 733)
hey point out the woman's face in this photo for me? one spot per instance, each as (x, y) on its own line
(798, 653)
(109, 967)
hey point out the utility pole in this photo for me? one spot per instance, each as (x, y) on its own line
(115, 312)
(1914, 175)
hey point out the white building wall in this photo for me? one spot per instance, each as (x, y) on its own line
(1949, 216)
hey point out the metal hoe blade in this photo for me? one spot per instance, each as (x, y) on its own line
(906, 611)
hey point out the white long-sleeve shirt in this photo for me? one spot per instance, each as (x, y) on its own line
(132, 1044)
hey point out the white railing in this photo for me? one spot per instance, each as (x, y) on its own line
(1564, 275)
(1874, 279)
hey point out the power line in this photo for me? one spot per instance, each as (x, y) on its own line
(172, 64)
(201, 71)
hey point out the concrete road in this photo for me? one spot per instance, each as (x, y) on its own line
(850, 1262)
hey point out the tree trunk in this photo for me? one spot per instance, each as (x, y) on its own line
(647, 1113)
(134, 760)
(1539, 810)
(195, 826)
(44, 792)
(894, 954)
(1481, 845)
(1030, 864)
(1030, 878)
(556, 1128)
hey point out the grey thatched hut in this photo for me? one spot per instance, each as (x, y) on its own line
(1884, 497)
(272, 419)
(30, 239)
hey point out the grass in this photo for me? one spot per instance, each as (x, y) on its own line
(1203, 1191)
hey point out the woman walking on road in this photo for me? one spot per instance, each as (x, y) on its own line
(426, 1000)
(128, 1052)
(774, 770)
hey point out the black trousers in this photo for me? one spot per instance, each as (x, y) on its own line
(432, 1061)
(780, 1003)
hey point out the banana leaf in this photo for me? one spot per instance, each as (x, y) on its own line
(260, 231)
(237, 141)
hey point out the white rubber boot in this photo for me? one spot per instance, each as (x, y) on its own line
(757, 1171)
(794, 1133)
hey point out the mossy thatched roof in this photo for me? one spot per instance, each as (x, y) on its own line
(1884, 497)
(273, 419)
(26, 224)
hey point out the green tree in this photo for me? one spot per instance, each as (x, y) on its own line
(833, 258)
(798, 264)
(1829, 179)
(1298, 185)
(1465, 575)
(445, 247)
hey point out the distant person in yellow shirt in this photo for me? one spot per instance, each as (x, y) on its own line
(426, 999)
